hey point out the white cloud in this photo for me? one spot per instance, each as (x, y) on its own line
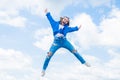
(88, 34)
(36, 7)
(39, 6)
(12, 18)
(11, 59)
(115, 62)
(96, 3)
(15, 65)
(107, 34)
(113, 65)
(4, 76)
(20, 75)
(93, 3)
(44, 38)
(110, 29)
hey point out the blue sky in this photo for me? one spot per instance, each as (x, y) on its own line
(26, 35)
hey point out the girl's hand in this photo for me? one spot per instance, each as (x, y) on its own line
(46, 11)
(79, 26)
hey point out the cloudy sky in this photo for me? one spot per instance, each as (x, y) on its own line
(26, 35)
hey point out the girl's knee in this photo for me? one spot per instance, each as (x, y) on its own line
(49, 54)
(74, 51)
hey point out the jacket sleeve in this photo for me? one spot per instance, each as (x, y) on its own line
(49, 17)
(72, 29)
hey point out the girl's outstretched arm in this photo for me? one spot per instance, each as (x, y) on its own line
(50, 18)
(48, 14)
(72, 29)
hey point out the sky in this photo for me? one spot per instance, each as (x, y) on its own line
(26, 36)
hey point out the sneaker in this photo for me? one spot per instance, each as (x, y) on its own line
(87, 64)
(42, 73)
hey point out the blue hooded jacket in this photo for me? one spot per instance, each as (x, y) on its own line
(55, 26)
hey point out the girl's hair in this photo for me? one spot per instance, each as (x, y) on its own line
(61, 18)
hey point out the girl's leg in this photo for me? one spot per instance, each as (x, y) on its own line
(51, 52)
(69, 46)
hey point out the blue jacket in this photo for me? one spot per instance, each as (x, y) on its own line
(55, 26)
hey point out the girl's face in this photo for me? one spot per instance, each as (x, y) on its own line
(65, 20)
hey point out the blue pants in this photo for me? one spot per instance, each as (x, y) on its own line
(64, 43)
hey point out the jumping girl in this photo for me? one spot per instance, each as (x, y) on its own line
(60, 30)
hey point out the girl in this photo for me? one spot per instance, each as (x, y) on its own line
(60, 30)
